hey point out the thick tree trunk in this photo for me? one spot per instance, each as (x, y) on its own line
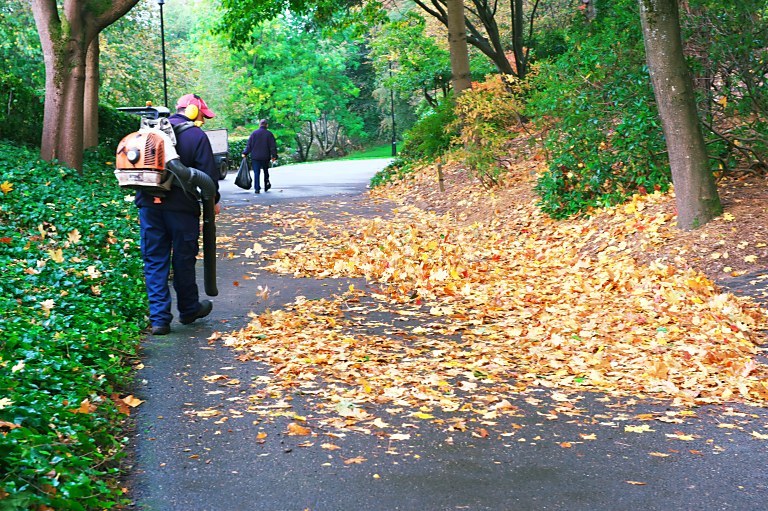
(91, 102)
(66, 32)
(695, 190)
(457, 44)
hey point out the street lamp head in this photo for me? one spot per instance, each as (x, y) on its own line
(160, 2)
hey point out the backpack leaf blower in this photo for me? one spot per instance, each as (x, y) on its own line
(147, 160)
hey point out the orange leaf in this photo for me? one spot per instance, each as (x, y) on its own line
(296, 430)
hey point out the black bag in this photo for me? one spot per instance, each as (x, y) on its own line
(243, 178)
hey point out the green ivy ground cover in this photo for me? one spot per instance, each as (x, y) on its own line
(72, 307)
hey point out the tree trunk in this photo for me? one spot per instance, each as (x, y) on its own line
(457, 44)
(91, 102)
(695, 190)
(65, 36)
(517, 37)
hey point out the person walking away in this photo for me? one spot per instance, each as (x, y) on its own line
(170, 225)
(263, 150)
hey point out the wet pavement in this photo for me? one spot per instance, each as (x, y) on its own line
(593, 453)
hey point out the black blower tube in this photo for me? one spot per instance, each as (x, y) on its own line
(196, 178)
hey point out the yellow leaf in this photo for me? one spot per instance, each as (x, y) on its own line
(759, 436)
(681, 436)
(645, 428)
(74, 236)
(422, 415)
(659, 454)
(330, 447)
(6, 187)
(728, 217)
(56, 255)
(750, 259)
(380, 423)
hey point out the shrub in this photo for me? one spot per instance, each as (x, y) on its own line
(485, 118)
(113, 126)
(72, 307)
(432, 134)
(21, 116)
(726, 45)
(605, 142)
(398, 169)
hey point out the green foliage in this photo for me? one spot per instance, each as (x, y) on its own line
(240, 17)
(22, 114)
(20, 53)
(432, 134)
(113, 126)
(486, 116)
(237, 145)
(72, 306)
(298, 80)
(398, 169)
(604, 141)
(411, 63)
(726, 44)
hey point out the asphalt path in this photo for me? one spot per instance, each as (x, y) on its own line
(593, 452)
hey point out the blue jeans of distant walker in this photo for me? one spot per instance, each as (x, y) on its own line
(260, 165)
(169, 239)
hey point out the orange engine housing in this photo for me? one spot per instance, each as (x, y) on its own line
(149, 152)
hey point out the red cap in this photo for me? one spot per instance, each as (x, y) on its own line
(194, 99)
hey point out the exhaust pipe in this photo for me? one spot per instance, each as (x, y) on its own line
(189, 179)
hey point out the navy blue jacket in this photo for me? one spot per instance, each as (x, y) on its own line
(195, 151)
(261, 145)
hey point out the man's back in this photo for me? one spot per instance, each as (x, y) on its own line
(261, 145)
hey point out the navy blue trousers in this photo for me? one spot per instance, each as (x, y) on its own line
(258, 165)
(169, 239)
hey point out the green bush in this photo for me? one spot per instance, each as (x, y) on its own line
(21, 116)
(113, 126)
(728, 54)
(432, 134)
(398, 169)
(72, 308)
(604, 141)
(237, 146)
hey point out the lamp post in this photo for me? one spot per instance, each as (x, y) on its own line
(162, 44)
(392, 111)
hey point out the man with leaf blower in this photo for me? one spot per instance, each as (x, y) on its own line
(170, 224)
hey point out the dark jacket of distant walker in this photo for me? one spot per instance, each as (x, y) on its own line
(261, 145)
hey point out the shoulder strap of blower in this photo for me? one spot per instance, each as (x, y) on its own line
(180, 128)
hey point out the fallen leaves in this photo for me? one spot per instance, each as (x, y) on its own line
(486, 311)
(298, 430)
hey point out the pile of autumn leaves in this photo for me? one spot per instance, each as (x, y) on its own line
(513, 302)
